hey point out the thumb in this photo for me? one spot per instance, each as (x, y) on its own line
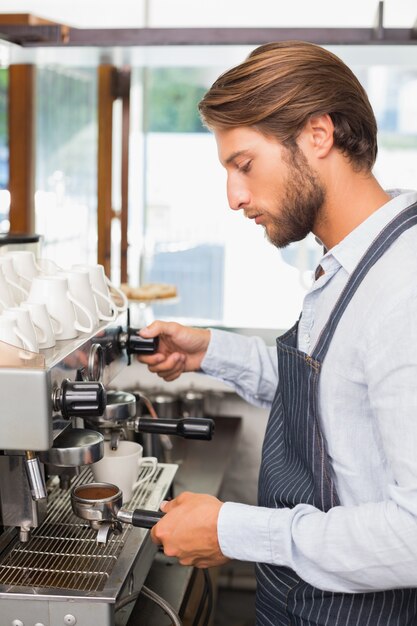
(168, 505)
(152, 330)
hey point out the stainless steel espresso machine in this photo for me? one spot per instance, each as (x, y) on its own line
(55, 414)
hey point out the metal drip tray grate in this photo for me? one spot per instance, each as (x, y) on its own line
(63, 552)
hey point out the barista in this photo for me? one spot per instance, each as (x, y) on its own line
(335, 533)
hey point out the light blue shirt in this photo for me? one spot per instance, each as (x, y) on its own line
(368, 410)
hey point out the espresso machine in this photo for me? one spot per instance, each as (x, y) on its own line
(56, 412)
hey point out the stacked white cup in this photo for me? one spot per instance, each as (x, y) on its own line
(61, 304)
(48, 303)
(102, 287)
(25, 266)
(18, 291)
(49, 327)
(25, 326)
(6, 295)
(11, 332)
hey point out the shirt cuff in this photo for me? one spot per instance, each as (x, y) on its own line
(244, 532)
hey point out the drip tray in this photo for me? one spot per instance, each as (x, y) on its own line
(49, 560)
(63, 553)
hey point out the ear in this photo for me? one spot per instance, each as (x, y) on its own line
(317, 135)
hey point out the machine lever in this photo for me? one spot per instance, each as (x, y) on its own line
(80, 398)
(139, 345)
(187, 427)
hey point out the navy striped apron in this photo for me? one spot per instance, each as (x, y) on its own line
(295, 469)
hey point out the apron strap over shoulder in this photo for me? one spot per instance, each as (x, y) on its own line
(398, 225)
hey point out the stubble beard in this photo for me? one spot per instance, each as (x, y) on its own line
(301, 206)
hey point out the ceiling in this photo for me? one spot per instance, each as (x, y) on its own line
(206, 14)
(217, 13)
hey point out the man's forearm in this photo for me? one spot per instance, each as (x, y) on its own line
(366, 548)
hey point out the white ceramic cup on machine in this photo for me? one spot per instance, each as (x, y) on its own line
(46, 327)
(80, 287)
(6, 296)
(11, 334)
(121, 467)
(26, 327)
(54, 292)
(19, 293)
(25, 266)
(102, 287)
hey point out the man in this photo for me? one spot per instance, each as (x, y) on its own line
(335, 532)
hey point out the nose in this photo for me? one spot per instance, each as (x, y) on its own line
(238, 195)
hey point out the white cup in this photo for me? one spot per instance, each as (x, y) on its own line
(44, 324)
(6, 296)
(80, 287)
(54, 292)
(11, 334)
(25, 266)
(19, 292)
(48, 267)
(121, 467)
(25, 325)
(102, 288)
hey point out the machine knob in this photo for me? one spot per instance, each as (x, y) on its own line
(80, 399)
(135, 344)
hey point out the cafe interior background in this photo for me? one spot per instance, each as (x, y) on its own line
(156, 210)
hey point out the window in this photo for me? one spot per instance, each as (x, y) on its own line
(181, 230)
(225, 271)
(66, 163)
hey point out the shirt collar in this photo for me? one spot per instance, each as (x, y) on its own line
(351, 249)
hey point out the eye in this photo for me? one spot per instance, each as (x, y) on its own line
(245, 167)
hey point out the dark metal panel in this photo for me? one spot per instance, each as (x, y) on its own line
(236, 36)
(26, 35)
(38, 36)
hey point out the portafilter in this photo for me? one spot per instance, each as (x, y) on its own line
(101, 505)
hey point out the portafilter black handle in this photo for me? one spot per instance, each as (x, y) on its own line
(142, 518)
(135, 344)
(188, 427)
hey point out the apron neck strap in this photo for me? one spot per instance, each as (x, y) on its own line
(399, 224)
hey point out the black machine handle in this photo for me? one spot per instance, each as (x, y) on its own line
(80, 398)
(135, 344)
(146, 519)
(142, 518)
(188, 427)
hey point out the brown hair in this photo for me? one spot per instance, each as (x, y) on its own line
(281, 85)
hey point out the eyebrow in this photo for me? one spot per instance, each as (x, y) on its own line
(234, 156)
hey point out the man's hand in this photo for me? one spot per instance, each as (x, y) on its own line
(181, 349)
(188, 530)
